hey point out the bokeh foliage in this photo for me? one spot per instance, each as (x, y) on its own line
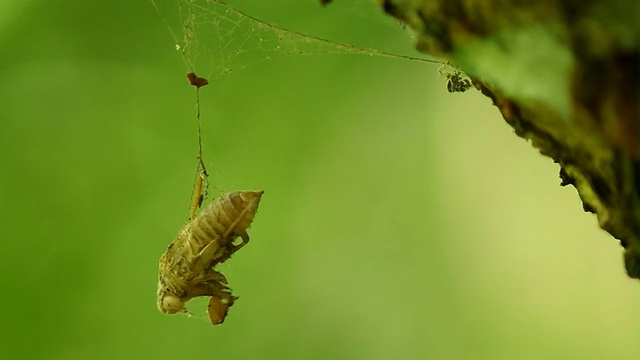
(398, 221)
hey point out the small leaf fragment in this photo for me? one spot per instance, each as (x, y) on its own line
(196, 81)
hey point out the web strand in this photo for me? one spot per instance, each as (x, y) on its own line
(218, 38)
(348, 48)
(199, 123)
(201, 184)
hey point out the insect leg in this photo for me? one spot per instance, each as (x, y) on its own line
(230, 249)
(200, 184)
(213, 283)
(245, 240)
(208, 257)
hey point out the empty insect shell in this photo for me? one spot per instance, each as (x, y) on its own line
(186, 267)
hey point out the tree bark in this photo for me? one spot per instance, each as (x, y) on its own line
(564, 75)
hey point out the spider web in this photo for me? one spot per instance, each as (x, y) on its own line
(216, 39)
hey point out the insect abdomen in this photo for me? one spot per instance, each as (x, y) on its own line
(227, 218)
(217, 225)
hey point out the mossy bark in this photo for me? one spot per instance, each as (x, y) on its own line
(564, 75)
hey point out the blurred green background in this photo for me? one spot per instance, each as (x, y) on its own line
(399, 221)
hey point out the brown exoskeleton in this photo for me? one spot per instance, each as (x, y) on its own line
(186, 268)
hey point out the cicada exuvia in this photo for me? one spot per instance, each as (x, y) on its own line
(186, 268)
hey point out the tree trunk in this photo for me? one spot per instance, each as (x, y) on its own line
(564, 75)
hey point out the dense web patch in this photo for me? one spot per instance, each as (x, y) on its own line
(216, 39)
